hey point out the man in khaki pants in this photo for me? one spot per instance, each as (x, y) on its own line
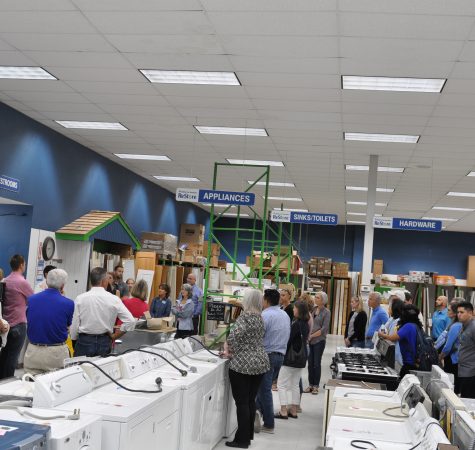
(49, 315)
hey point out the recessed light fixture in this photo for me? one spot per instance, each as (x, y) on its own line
(375, 137)
(461, 194)
(446, 219)
(232, 131)
(166, 178)
(356, 222)
(291, 209)
(453, 208)
(288, 199)
(393, 84)
(91, 125)
(380, 168)
(142, 157)
(364, 203)
(253, 162)
(25, 73)
(272, 183)
(235, 215)
(190, 77)
(363, 188)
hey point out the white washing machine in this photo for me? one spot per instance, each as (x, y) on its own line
(419, 428)
(84, 433)
(197, 395)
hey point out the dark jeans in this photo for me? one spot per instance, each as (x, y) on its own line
(467, 387)
(93, 345)
(369, 343)
(452, 368)
(264, 400)
(181, 334)
(10, 353)
(244, 388)
(315, 363)
(358, 344)
(405, 369)
(196, 325)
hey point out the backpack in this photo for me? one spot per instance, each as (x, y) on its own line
(426, 354)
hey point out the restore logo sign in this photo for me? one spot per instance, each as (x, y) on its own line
(216, 197)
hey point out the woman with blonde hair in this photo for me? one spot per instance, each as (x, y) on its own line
(356, 325)
(249, 362)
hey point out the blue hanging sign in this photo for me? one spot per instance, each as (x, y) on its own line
(216, 197)
(313, 218)
(397, 223)
(10, 184)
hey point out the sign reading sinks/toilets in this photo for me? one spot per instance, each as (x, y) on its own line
(303, 217)
(397, 223)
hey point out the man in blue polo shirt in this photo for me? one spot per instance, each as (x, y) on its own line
(440, 318)
(49, 315)
(378, 317)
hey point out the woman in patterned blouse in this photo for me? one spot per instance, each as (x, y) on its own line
(249, 362)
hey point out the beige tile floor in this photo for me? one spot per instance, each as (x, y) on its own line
(305, 432)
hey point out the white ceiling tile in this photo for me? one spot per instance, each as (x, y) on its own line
(138, 5)
(79, 59)
(270, 5)
(96, 74)
(15, 58)
(281, 65)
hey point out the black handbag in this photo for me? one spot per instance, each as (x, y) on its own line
(297, 359)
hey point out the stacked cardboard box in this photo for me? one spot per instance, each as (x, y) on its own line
(192, 234)
(215, 252)
(340, 270)
(162, 243)
(320, 266)
(377, 267)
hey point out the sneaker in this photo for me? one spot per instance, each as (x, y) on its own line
(265, 429)
(308, 390)
(299, 409)
(315, 391)
(257, 422)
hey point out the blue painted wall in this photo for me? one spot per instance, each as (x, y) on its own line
(401, 251)
(64, 180)
(15, 225)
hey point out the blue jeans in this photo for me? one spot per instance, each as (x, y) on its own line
(10, 353)
(358, 344)
(369, 343)
(264, 402)
(93, 345)
(315, 363)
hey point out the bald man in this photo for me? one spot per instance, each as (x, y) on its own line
(440, 318)
(197, 297)
(378, 317)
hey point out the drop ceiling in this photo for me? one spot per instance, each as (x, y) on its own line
(289, 57)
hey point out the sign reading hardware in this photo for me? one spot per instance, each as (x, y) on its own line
(217, 197)
(10, 184)
(300, 217)
(397, 223)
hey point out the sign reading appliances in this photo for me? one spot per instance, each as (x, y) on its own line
(10, 184)
(299, 217)
(217, 197)
(397, 223)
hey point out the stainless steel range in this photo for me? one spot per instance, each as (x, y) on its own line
(363, 365)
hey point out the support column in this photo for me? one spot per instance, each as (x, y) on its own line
(366, 273)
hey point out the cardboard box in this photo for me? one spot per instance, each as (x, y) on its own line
(340, 270)
(192, 233)
(215, 249)
(214, 261)
(158, 324)
(162, 243)
(222, 263)
(471, 271)
(377, 267)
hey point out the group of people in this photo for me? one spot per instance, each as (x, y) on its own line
(273, 339)
(45, 317)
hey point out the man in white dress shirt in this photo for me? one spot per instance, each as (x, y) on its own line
(95, 314)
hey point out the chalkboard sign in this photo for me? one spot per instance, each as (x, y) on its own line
(216, 310)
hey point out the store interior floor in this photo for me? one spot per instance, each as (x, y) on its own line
(305, 433)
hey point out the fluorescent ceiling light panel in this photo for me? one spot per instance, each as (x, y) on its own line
(393, 84)
(380, 169)
(471, 174)
(291, 209)
(166, 178)
(91, 125)
(356, 222)
(253, 162)
(361, 214)
(288, 199)
(453, 208)
(232, 131)
(273, 183)
(25, 73)
(440, 218)
(364, 203)
(142, 157)
(190, 77)
(235, 215)
(375, 137)
(461, 194)
(362, 188)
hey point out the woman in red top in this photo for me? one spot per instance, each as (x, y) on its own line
(137, 304)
